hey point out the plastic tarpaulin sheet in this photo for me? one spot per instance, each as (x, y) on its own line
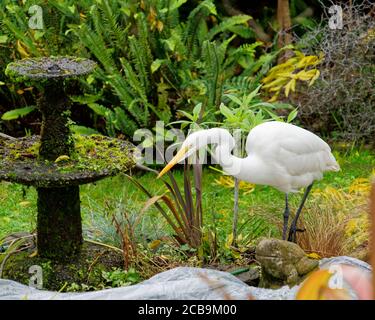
(181, 283)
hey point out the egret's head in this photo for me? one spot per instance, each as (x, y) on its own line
(192, 143)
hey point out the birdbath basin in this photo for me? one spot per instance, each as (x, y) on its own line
(56, 163)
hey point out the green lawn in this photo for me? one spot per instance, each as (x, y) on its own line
(100, 200)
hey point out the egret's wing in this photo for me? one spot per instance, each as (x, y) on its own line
(291, 148)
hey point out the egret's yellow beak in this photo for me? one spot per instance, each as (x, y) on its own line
(176, 159)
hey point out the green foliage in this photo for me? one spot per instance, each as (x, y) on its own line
(228, 24)
(17, 113)
(195, 120)
(19, 41)
(82, 130)
(247, 110)
(163, 55)
(155, 57)
(120, 278)
(151, 60)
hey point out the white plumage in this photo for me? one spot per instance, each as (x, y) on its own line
(293, 156)
(279, 154)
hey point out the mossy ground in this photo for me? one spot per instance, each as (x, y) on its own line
(83, 273)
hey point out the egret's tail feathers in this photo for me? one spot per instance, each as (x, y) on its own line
(334, 168)
(333, 165)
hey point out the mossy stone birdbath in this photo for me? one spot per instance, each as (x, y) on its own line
(57, 162)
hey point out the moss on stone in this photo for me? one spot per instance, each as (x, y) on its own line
(94, 157)
(59, 222)
(55, 134)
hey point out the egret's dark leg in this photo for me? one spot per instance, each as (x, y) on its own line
(286, 216)
(293, 228)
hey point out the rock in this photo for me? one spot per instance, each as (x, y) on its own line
(283, 263)
(362, 252)
(251, 277)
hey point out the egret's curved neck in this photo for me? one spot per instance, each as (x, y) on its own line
(222, 154)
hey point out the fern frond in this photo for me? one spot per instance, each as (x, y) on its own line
(95, 43)
(141, 64)
(124, 123)
(195, 18)
(243, 31)
(226, 24)
(244, 55)
(98, 109)
(110, 17)
(240, 84)
(212, 63)
(132, 79)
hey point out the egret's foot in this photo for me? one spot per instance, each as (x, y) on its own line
(293, 233)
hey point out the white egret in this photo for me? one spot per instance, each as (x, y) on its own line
(279, 154)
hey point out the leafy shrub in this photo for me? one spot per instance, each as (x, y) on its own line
(159, 61)
(151, 60)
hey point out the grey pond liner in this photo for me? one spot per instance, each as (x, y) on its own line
(176, 284)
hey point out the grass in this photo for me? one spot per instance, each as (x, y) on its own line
(257, 209)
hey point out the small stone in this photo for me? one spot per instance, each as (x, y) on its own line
(250, 277)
